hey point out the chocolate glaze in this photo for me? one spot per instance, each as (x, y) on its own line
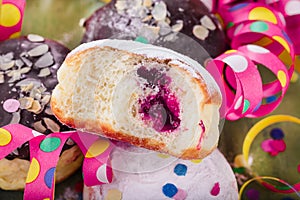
(20, 47)
(107, 22)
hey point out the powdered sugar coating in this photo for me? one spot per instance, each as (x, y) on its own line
(212, 178)
(190, 65)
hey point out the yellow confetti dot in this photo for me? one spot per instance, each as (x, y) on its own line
(5, 137)
(34, 171)
(281, 77)
(196, 161)
(10, 15)
(230, 51)
(15, 35)
(163, 155)
(46, 199)
(282, 42)
(262, 13)
(113, 194)
(97, 148)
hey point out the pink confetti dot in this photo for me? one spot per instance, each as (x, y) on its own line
(266, 145)
(278, 145)
(215, 190)
(180, 195)
(11, 105)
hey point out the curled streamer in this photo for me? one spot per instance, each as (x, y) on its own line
(258, 38)
(40, 182)
(251, 135)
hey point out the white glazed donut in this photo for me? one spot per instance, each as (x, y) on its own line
(210, 178)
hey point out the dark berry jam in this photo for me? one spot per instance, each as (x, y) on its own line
(161, 108)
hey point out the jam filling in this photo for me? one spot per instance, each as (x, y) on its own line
(162, 107)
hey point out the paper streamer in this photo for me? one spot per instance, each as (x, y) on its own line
(45, 152)
(11, 18)
(251, 135)
(258, 38)
(287, 16)
(264, 181)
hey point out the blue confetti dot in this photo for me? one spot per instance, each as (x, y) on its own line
(271, 99)
(238, 6)
(169, 190)
(180, 169)
(277, 134)
(49, 177)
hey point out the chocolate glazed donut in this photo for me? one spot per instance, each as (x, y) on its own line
(28, 67)
(157, 20)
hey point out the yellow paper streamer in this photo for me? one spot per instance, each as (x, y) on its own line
(258, 127)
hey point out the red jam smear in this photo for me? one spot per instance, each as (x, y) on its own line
(161, 108)
(201, 124)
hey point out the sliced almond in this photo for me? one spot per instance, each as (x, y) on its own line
(26, 102)
(159, 11)
(45, 61)
(147, 3)
(207, 23)
(25, 82)
(168, 20)
(147, 18)
(48, 111)
(38, 126)
(15, 118)
(27, 88)
(35, 93)
(46, 99)
(44, 72)
(25, 70)
(178, 26)
(7, 65)
(36, 107)
(15, 76)
(200, 32)
(35, 38)
(54, 127)
(8, 57)
(19, 63)
(1, 78)
(39, 50)
(42, 89)
(26, 61)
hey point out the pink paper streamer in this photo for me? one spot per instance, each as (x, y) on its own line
(258, 24)
(44, 155)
